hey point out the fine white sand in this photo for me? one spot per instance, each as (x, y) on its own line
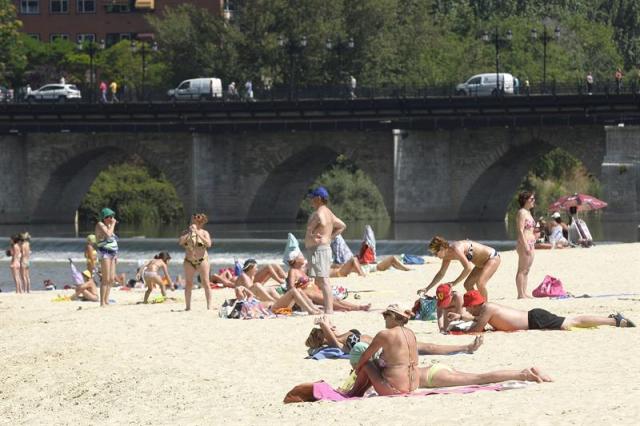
(75, 363)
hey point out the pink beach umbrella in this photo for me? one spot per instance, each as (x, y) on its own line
(582, 201)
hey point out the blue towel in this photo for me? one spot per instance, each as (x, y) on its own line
(328, 353)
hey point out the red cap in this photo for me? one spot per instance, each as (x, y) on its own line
(473, 298)
(443, 294)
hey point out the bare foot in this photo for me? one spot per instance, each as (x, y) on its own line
(541, 374)
(477, 342)
(534, 375)
(365, 307)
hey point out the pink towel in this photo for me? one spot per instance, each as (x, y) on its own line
(322, 391)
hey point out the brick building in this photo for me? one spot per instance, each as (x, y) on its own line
(108, 20)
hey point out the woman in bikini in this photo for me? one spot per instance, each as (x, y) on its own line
(107, 251)
(25, 249)
(90, 253)
(327, 335)
(16, 256)
(525, 244)
(196, 240)
(479, 262)
(298, 278)
(395, 371)
(152, 276)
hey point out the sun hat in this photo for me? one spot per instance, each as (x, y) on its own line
(473, 298)
(106, 212)
(443, 294)
(320, 191)
(556, 215)
(293, 255)
(396, 310)
(86, 273)
(248, 264)
(91, 238)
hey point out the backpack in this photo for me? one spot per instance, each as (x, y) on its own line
(549, 287)
(424, 309)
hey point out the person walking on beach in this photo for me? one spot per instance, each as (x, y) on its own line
(525, 244)
(503, 318)
(108, 251)
(322, 227)
(25, 249)
(196, 240)
(16, 255)
(479, 262)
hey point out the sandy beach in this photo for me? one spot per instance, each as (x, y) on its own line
(75, 363)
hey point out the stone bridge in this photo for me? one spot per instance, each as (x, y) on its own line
(423, 175)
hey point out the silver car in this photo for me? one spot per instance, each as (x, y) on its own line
(55, 92)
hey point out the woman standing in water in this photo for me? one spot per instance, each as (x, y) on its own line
(196, 241)
(25, 249)
(107, 251)
(525, 244)
(16, 255)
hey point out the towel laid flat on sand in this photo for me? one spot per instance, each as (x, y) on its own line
(329, 353)
(322, 391)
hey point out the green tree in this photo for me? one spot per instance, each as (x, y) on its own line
(11, 56)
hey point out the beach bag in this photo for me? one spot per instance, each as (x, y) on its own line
(340, 292)
(230, 308)
(253, 309)
(411, 259)
(425, 309)
(549, 287)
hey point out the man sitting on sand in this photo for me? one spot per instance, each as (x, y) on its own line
(503, 318)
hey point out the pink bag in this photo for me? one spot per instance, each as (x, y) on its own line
(549, 287)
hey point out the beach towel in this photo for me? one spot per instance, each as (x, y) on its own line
(327, 353)
(75, 274)
(341, 251)
(369, 239)
(411, 259)
(322, 391)
(292, 245)
(340, 292)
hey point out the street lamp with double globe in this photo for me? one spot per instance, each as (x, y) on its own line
(294, 48)
(546, 38)
(498, 41)
(91, 48)
(144, 50)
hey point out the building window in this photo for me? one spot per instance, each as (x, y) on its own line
(59, 6)
(86, 38)
(29, 7)
(55, 37)
(86, 6)
(35, 36)
(118, 6)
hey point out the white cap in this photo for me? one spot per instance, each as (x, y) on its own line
(555, 215)
(294, 254)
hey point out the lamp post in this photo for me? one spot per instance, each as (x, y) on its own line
(294, 48)
(92, 49)
(546, 38)
(340, 47)
(143, 51)
(498, 41)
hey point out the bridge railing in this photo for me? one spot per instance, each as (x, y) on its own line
(320, 92)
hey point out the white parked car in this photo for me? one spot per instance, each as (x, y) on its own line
(485, 85)
(55, 92)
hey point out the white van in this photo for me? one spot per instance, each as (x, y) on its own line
(485, 85)
(197, 88)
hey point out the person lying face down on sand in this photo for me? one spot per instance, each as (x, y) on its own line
(503, 318)
(298, 278)
(395, 372)
(479, 262)
(245, 287)
(327, 335)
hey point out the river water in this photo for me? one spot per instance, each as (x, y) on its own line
(53, 245)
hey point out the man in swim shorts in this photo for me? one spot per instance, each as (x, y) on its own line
(503, 318)
(322, 227)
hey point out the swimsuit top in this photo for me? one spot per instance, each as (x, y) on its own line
(194, 241)
(302, 282)
(529, 224)
(469, 253)
(411, 365)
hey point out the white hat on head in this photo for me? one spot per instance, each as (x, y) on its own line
(293, 255)
(555, 215)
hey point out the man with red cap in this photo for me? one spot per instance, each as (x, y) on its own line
(448, 300)
(503, 318)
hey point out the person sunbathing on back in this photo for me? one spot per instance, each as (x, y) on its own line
(503, 318)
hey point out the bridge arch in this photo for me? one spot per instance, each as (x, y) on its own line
(279, 196)
(499, 176)
(69, 176)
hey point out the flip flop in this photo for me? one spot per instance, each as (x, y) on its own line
(619, 318)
